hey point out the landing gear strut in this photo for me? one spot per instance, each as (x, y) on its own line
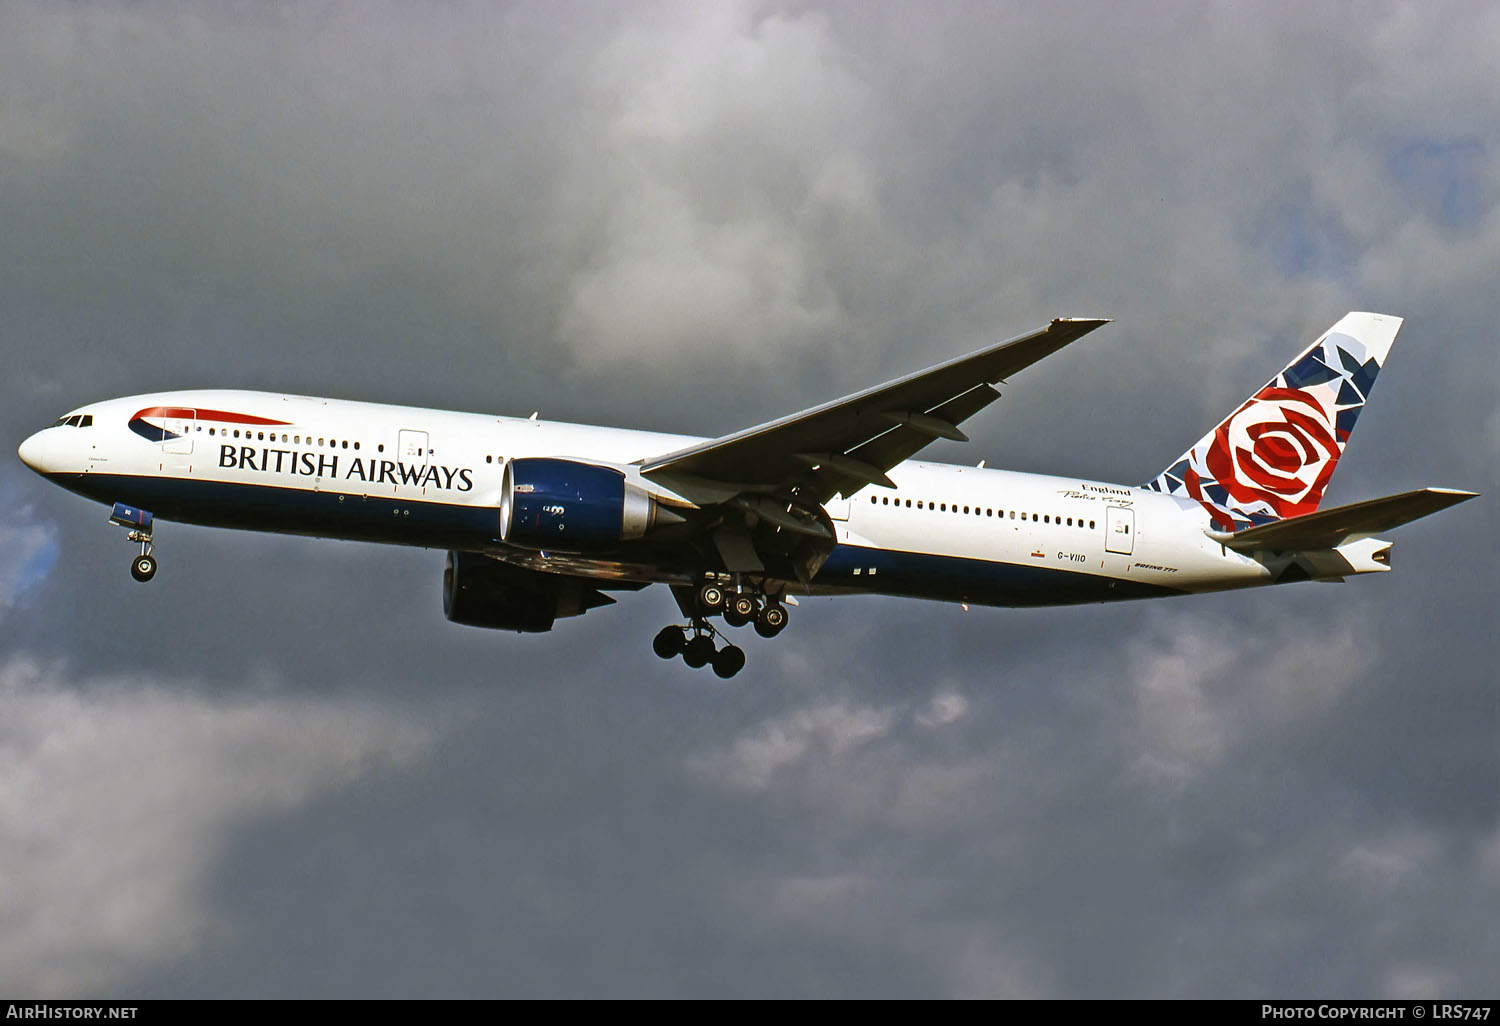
(138, 521)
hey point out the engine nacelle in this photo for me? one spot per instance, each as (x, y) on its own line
(483, 592)
(572, 506)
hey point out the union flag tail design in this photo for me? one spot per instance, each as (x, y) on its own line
(1272, 458)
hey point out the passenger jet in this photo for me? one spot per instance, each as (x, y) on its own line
(546, 520)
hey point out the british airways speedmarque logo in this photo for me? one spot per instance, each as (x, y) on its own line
(155, 424)
(146, 422)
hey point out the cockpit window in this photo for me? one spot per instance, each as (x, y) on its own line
(87, 420)
(76, 420)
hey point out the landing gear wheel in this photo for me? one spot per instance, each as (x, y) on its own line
(710, 598)
(740, 611)
(728, 661)
(669, 642)
(144, 567)
(699, 651)
(771, 621)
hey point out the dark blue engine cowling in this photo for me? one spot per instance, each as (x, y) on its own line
(565, 504)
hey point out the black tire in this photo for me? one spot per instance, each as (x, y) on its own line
(668, 642)
(143, 568)
(699, 651)
(728, 661)
(771, 621)
(710, 598)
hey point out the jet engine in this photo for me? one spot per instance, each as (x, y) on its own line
(483, 592)
(572, 506)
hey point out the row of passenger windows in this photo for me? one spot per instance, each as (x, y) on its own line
(260, 436)
(983, 511)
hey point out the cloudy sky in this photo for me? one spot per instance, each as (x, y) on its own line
(278, 771)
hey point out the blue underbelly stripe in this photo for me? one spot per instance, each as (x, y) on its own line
(979, 581)
(389, 519)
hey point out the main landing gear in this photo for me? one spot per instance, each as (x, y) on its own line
(138, 522)
(695, 640)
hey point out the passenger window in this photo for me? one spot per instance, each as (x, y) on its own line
(1091, 524)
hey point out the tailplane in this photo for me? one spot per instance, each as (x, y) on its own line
(1272, 458)
(1331, 528)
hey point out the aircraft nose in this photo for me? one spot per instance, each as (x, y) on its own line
(39, 453)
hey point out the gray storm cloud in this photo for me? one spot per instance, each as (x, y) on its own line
(696, 217)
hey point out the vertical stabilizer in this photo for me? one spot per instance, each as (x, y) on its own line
(1272, 457)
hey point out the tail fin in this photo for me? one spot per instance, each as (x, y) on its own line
(1272, 458)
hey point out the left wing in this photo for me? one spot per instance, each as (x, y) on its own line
(842, 446)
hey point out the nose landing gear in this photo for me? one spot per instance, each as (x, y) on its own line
(143, 567)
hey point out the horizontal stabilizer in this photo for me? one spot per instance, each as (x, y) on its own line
(1328, 528)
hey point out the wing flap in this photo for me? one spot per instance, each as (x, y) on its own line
(1328, 528)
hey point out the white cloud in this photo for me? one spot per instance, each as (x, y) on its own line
(1202, 688)
(1377, 866)
(117, 795)
(946, 707)
(831, 733)
(731, 146)
(28, 550)
(1419, 982)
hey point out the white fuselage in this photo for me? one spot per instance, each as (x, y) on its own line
(405, 475)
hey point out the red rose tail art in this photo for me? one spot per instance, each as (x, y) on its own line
(1272, 458)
